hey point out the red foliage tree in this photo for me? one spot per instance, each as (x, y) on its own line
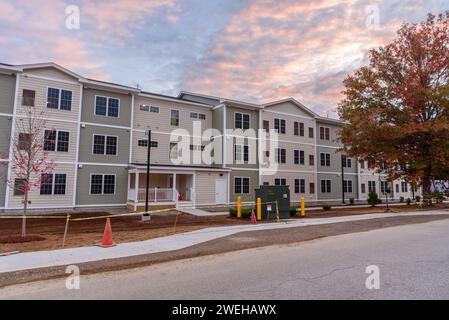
(397, 107)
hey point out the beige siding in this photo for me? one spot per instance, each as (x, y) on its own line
(205, 186)
(40, 86)
(290, 108)
(38, 200)
(144, 120)
(50, 72)
(290, 180)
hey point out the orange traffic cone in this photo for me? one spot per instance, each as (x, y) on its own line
(107, 236)
(253, 217)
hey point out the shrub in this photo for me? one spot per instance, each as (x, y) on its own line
(326, 207)
(418, 199)
(409, 201)
(373, 199)
(438, 196)
(401, 199)
(293, 211)
(246, 212)
(351, 201)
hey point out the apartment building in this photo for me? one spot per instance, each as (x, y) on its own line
(101, 140)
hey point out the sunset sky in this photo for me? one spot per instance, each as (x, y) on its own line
(253, 50)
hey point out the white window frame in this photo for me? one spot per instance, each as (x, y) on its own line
(107, 106)
(53, 185)
(326, 185)
(102, 184)
(59, 99)
(241, 186)
(57, 140)
(249, 120)
(179, 118)
(325, 162)
(349, 185)
(325, 127)
(105, 144)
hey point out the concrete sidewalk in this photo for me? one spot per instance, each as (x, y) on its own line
(40, 259)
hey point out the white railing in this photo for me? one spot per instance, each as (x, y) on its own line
(154, 195)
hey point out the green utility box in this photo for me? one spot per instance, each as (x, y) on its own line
(269, 195)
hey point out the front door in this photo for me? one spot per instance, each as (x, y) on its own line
(220, 191)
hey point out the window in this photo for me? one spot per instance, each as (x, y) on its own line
(280, 182)
(241, 121)
(266, 125)
(102, 184)
(241, 185)
(397, 188)
(298, 129)
(384, 187)
(106, 106)
(201, 116)
(142, 143)
(312, 188)
(324, 133)
(56, 140)
(371, 186)
(347, 186)
(362, 164)
(346, 161)
(310, 132)
(325, 159)
(299, 157)
(53, 184)
(174, 118)
(28, 97)
(404, 186)
(19, 186)
(266, 183)
(363, 188)
(241, 153)
(280, 155)
(59, 99)
(173, 151)
(144, 107)
(279, 126)
(311, 160)
(326, 186)
(24, 141)
(193, 115)
(300, 186)
(105, 145)
(154, 109)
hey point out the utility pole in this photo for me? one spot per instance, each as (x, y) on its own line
(148, 171)
(342, 179)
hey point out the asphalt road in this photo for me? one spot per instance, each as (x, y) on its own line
(413, 263)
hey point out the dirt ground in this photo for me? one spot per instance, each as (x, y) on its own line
(240, 241)
(88, 232)
(47, 234)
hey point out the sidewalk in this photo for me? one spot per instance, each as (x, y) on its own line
(41, 259)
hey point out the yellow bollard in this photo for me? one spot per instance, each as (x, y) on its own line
(239, 207)
(303, 209)
(259, 209)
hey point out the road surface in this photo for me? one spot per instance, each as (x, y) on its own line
(413, 262)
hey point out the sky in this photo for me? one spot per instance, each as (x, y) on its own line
(250, 50)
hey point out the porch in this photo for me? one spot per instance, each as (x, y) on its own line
(165, 189)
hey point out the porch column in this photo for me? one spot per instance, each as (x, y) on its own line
(136, 189)
(194, 189)
(175, 194)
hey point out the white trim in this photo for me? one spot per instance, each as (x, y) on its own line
(319, 133)
(101, 205)
(56, 152)
(131, 132)
(242, 113)
(225, 138)
(13, 128)
(50, 65)
(243, 169)
(142, 167)
(106, 125)
(149, 95)
(288, 114)
(78, 134)
(179, 118)
(29, 75)
(103, 164)
(53, 184)
(6, 114)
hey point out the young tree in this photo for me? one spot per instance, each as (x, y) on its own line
(397, 107)
(30, 165)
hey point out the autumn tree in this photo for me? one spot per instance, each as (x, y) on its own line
(30, 165)
(397, 107)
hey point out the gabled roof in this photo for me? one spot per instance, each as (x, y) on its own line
(295, 102)
(220, 100)
(50, 65)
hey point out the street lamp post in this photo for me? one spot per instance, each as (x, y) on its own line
(342, 180)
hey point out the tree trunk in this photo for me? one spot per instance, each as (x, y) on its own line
(24, 221)
(427, 191)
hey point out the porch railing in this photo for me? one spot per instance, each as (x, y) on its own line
(154, 195)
